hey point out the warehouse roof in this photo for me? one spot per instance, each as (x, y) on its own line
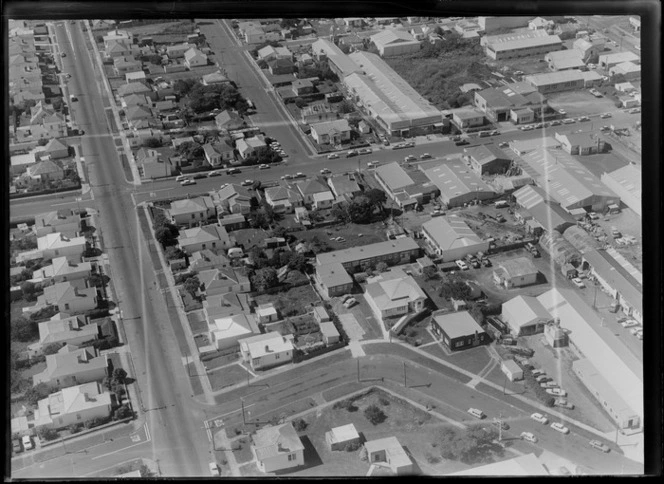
(521, 147)
(393, 36)
(368, 251)
(333, 274)
(530, 196)
(334, 54)
(393, 176)
(518, 267)
(565, 59)
(451, 232)
(523, 310)
(484, 154)
(502, 97)
(525, 43)
(618, 58)
(459, 324)
(387, 93)
(570, 75)
(455, 179)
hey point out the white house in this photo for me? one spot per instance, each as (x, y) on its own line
(73, 405)
(283, 199)
(267, 313)
(64, 221)
(331, 132)
(192, 211)
(517, 272)
(58, 245)
(277, 448)
(65, 330)
(72, 367)
(207, 237)
(266, 350)
(226, 332)
(68, 298)
(391, 452)
(394, 294)
(339, 437)
(511, 370)
(194, 58)
(249, 146)
(62, 270)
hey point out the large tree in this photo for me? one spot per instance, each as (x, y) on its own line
(164, 236)
(265, 278)
(377, 197)
(192, 284)
(360, 210)
(23, 329)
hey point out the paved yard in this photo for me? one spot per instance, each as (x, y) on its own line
(363, 316)
(580, 103)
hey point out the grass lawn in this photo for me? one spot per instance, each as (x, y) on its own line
(251, 470)
(242, 450)
(255, 421)
(370, 234)
(227, 376)
(222, 360)
(431, 287)
(472, 359)
(197, 322)
(297, 300)
(248, 238)
(414, 428)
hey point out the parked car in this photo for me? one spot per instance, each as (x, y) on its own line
(568, 121)
(287, 177)
(198, 176)
(539, 418)
(325, 171)
(538, 372)
(584, 118)
(425, 156)
(605, 128)
(541, 378)
(247, 183)
(16, 446)
(549, 384)
(461, 265)
(351, 153)
(365, 151)
(332, 156)
(578, 283)
(456, 138)
(63, 54)
(409, 158)
(214, 469)
(350, 303)
(188, 181)
(555, 123)
(634, 110)
(215, 173)
(559, 428)
(263, 166)
(562, 111)
(373, 164)
(605, 115)
(232, 171)
(504, 144)
(596, 444)
(562, 402)
(628, 323)
(593, 216)
(558, 392)
(476, 412)
(299, 174)
(495, 132)
(27, 442)
(462, 142)
(528, 437)
(486, 262)
(636, 330)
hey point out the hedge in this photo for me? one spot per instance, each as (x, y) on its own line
(299, 355)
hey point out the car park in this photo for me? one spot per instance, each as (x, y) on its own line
(605, 115)
(425, 156)
(528, 437)
(558, 427)
(539, 418)
(578, 283)
(215, 173)
(247, 183)
(461, 265)
(558, 392)
(476, 412)
(188, 181)
(332, 156)
(27, 442)
(214, 469)
(350, 302)
(596, 444)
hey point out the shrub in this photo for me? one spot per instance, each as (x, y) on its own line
(549, 402)
(374, 414)
(352, 446)
(75, 428)
(122, 412)
(48, 434)
(383, 401)
(300, 424)
(346, 404)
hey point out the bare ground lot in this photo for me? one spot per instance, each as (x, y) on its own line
(355, 235)
(580, 103)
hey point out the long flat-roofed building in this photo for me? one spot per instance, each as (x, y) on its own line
(340, 63)
(451, 238)
(389, 99)
(522, 47)
(491, 24)
(567, 80)
(613, 361)
(607, 61)
(562, 60)
(569, 182)
(458, 184)
(392, 252)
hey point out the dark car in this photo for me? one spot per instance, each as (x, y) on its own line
(462, 142)
(198, 176)
(16, 446)
(351, 153)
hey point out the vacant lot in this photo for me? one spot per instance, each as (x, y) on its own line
(579, 103)
(355, 235)
(297, 300)
(197, 322)
(471, 359)
(248, 238)
(227, 376)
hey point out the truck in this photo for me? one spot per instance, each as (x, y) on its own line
(532, 249)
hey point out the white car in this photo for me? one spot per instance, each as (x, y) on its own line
(596, 444)
(476, 412)
(425, 156)
(325, 171)
(541, 378)
(214, 469)
(560, 428)
(215, 173)
(636, 331)
(558, 392)
(568, 121)
(287, 177)
(373, 164)
(539, 418)
(332, 156)
(578, 283)
(628, 323)
(562, 111)
(263, 167)
(187, 181)
(504, 144)
(461, 265)
(247, 183)
(409, 158)
(605, 115)
(593, 216)
(634, 110)
(529, 437)
(299, 174)
(350, 302)
(27, 442)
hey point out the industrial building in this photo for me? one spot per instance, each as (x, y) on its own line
(391, 42)
(613, 361)
(402, 188)
(626, 183)
(458, 184)
(607, 61)
(492, 24)
(628, 70)
(579, 143)
(451, 238)
(524, 47)
(567, 80)
(561, 60)
(339, 62)
(384, 95)
(487, 159)
(498, 104)
(567, 181)
(517, 272)
(525, 315)
(392, 252)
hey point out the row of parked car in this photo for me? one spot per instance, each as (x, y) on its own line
(475, 261)
(25, 443)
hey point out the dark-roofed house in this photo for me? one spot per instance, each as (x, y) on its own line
(487, 159)
(214, 78)
(56, 149)
(64, 221)
(283, 199)
(343, 185)
(302, 87)
(333, 279)
(277, 448)
(579, 143)
(45, 170)
(281, 66)
(458, 330)
(233, 198)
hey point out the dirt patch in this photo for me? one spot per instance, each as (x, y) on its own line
(355, 235)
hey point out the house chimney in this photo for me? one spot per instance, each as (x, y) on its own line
(267, 348)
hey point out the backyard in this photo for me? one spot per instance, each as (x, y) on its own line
(295, 301)
(354, 234)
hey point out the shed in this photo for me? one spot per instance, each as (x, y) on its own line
(329, 332)
(511, 370)
(339, 437)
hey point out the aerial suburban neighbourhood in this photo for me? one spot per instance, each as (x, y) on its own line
(326, 247)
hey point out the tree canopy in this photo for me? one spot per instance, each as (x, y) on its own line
(473, 445)
(265, 278)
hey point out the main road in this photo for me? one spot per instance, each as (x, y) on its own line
(172, 415)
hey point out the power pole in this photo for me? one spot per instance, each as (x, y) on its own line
(244, 419)
(358, 370)
(404, 375)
